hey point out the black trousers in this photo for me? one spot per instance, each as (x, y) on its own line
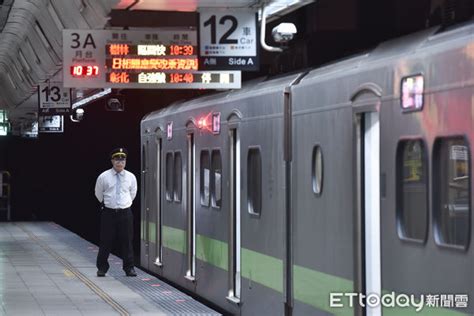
(115, 225)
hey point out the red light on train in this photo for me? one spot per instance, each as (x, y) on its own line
(204, 122)
(84, 71)
(210, 122)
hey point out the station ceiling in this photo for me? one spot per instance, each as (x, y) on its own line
(31, 38)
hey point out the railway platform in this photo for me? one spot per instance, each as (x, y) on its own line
(48, 270)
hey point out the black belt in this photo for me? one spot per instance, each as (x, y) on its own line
(115, 209)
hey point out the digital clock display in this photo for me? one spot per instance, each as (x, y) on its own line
(149, 50)
(89, 71)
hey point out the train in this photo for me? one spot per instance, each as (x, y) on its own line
(340, 190)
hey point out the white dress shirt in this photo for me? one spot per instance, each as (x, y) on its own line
(105, 188)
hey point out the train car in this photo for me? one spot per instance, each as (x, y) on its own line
(212, 197)
(297, 193)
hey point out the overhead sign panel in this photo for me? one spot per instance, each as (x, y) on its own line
(156, 59)
(53, 98)
(51, 124)
(228, 40)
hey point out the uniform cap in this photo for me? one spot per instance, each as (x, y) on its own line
(119, 153)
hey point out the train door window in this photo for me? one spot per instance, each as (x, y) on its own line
(205, 178)
(412, 190)
(317, 170)
(254, 181)
(169, 177)
(452, 198)
(216, 179)
(177, 177)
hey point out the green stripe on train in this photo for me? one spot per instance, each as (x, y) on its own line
(174, 238)
(262, 269)
(151, 231)
(313, 288)
(212, 251)
(257, 267)
(310, 286)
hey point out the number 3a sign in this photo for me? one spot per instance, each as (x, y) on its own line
(53, 98)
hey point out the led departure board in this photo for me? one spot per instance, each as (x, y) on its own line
(155, 59)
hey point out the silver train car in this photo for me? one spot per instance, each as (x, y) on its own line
(321, 192)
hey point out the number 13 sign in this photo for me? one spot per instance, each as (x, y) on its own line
(228, 40)
(53, 98)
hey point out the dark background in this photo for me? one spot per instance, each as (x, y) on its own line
(53, 177)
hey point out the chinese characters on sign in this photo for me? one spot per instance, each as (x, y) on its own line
(138, 59)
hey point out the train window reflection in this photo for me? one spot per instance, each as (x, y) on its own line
(177, 176)
(317, 170)
(412, 190)
(169, 177)
(254, 181)
(452, 198)
(216, 179)
(204, 178)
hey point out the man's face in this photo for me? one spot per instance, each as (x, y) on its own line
(118, 164)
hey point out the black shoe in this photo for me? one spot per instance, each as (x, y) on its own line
(100, 273)
(131, 272)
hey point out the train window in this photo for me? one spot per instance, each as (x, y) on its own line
(169, 177)
(177, 176)
(216, 177)
(254, 181)
(317, 170)
(412, 190)
(452, 198)
(204, 178)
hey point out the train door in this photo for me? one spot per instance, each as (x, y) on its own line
(190, 210)
(368, 276)
(234, 251)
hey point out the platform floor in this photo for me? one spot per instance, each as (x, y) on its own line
(48, 270)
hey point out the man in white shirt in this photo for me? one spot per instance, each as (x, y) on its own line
(115, 189)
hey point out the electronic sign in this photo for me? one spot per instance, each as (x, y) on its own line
(155, 59)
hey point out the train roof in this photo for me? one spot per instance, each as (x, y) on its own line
(259, 86)
(423, 41)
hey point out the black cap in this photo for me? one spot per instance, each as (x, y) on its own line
(119, 153)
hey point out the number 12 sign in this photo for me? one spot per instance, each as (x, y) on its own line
(228, 40)
(53, 98)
